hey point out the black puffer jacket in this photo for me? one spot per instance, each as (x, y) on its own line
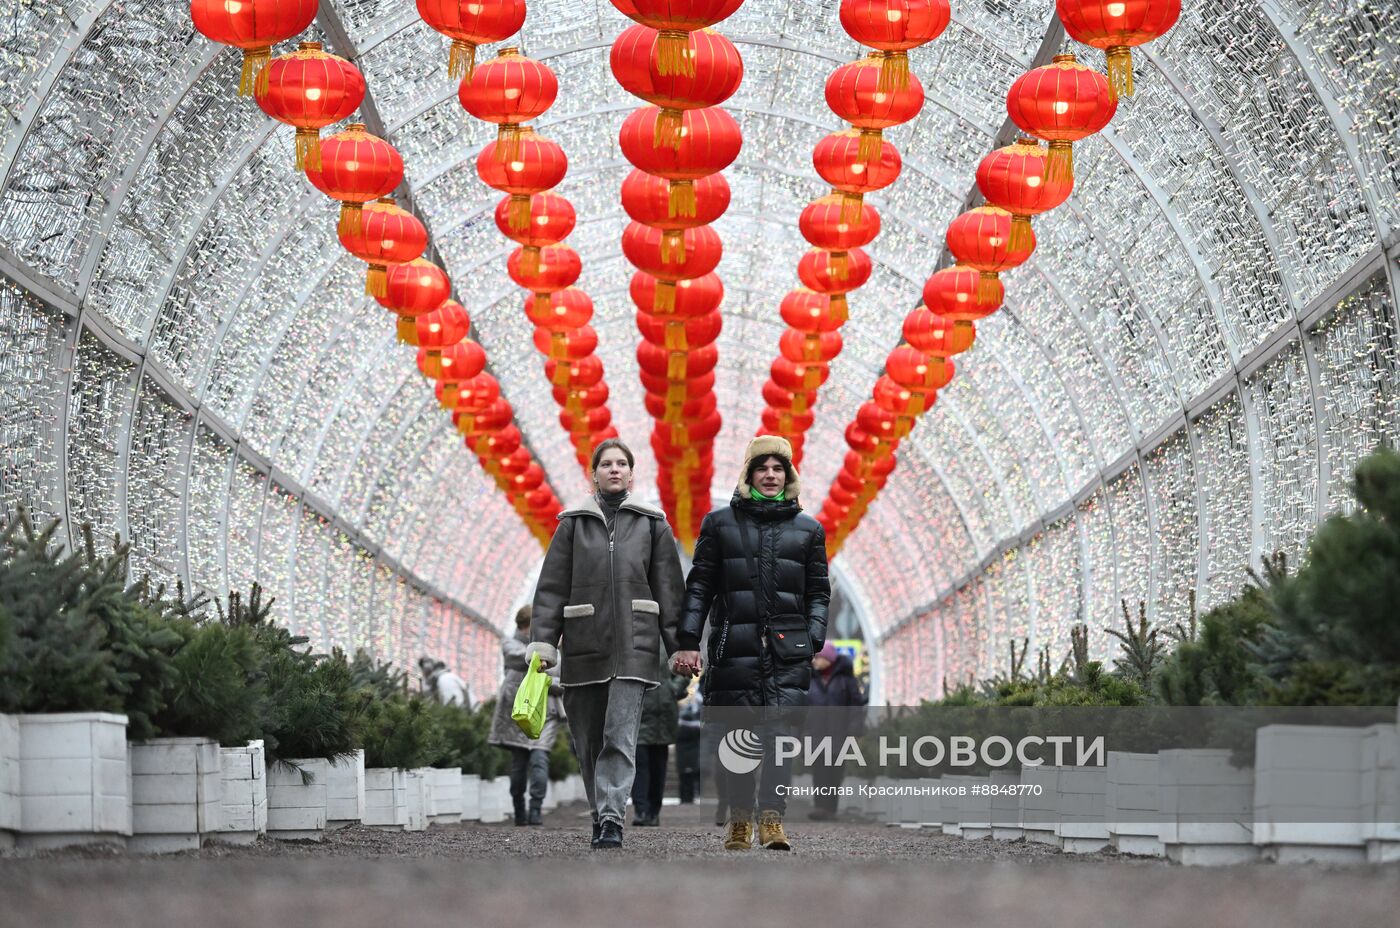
(789, 551)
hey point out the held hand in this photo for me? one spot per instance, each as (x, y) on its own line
(686, 662)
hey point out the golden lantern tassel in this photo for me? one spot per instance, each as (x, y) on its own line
(799, 403)
(812, 377)
(673, 246)
(1120, 69)
(680, 481)
(675, 395)
(465, 424)
(518, 212)
(562, 374)
(987, 287)
(690, 459)
(811, 347)
(840, 312)
(675, 366)
(894, 72)
(530, 261)
(915, 406)
(559, 345)
(254, 80)
(673, 53)
(664, 300)
(683, 508)
(541, 304)
(838, 265)
(675, 337)
(964, 334)
(673, 413)
(508, 142)
(681, 199)
(872, 145)
(679, 436)
(308, 149)
(377, 280)
(1059, 166)
(1021, 235)
(903, 425)
(852, 207)
(939, 367)
(407, 330)
(451, 396)
(350, 219)
(461, 60)
(666, 133)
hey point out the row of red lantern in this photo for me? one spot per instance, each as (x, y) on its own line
(509, 91)
(678, 144)
(1060, 103)
(311, 89)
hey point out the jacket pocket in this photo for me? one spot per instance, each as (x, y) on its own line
(646, 625)
(574, 612)
(646, 605)
(580, 629)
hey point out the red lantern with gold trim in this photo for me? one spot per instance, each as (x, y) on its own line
(552, 218)
(355, 167)
(539, 165)
(589, 422)
(415, 288)
(883, 424)
(491, 417)
(853, 92)
(494, 446)
(981, 238)
(582, 397)
(310, 89)
(388, 235)
(469, 23)
(809, 311)
(805, 348)
(958, 293)
(894, 27)
(690, 388)
(697, 296)
(646, 248)
(676, 365)
(786, 422)
(566, 309)
(676, 334)
(868, 445)
(453, 363)
(585, 372)
(660, 407)
(509, 90)
(909, 367)
(937, 335)
(819, 270)
(566, 344)
(556, 267)
(253, 26)
(646, 198)
(674, 19)
(716, 73)
(1062, 102)
(710, 141)
(1016, 179)
(901, 400)
(826, 223)
(795, 376)
(446, 325)
(1117, 26)
(474, 393)
(837, 160)
(799, 401)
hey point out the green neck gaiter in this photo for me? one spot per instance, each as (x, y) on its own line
(759, 497)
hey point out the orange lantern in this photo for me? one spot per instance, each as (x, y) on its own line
(797, 376)
(646, 198)
(556, 267)
(646, 248)
(901, 400)
(804, 348)
(585, 372)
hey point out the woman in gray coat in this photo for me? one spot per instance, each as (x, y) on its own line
(609, 597)
(529, 758)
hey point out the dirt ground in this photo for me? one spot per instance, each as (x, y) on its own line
(675, 875)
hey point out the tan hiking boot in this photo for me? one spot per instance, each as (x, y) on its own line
(740, 837)
(770, 832)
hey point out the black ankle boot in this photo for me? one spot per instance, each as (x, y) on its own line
(519, 811)
(610, 835)
(535, 814)
(597, 830)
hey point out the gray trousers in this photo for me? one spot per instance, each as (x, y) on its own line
(529, 769)
(603, 720)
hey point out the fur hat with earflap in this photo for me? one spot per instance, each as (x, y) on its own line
(769, 446)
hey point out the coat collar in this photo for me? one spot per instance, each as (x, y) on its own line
(590, 505)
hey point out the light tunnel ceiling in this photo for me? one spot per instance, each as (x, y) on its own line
(1155, 405)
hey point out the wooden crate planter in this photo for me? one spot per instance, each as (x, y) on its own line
(1307, 793)
(243, 810)
(74, 781)
(444, 795)
(495, 800)
(471, 797)
(345, 791)
(417, 782)
(9, 781)
(386, 798)
(1380, 793)
(1130, 804)
(1006, 809)
(1080, 823)
(1039, 812)
(176, 794)
(1207, 807)
(296, 810)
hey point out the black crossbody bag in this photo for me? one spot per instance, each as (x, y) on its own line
(788, 639)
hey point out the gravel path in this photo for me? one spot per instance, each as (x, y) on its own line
(676, 875)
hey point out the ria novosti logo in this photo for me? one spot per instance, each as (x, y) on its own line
(740, 751)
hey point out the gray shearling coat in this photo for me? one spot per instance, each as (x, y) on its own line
(614, 600)
(504, 731)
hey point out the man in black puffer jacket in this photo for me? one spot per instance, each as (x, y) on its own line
(759, 575)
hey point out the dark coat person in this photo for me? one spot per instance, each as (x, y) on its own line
(832, 698)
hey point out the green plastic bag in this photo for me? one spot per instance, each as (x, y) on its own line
(531, 700)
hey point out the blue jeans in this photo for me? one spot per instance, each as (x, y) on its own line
(603, 720)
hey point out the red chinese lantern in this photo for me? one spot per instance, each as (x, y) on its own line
(355, 167)
(810, 311)
(820, 271)
(539, 165)
(646, 248)
(556, 267)
(674, 19)
(581, 398)
(676, 365)
(676, 334)
(647, 198)
(894, 27)
(825, 224)
(414, 288)
(469, 23)
(528, 480)
(877, 469)
(689, 433)
(697, 296)
(589, 422)
(568, 344)
(509, 90)
(1116, 26)
(798, 401)
(551, 220)
(887, 426)
(717, 72)
(909, 367)
(1061, 103)
(492, 417)
(957, 293)
(1015, 178)
(585, 372)
(795, 376)
(542, 502)
(453, 363)
(710, 141)
(514, 465)
(475, 393)
(853, 93)
(691, 389)
(565, 309)
(867, 445)
(981, 238)
(497, 445)
(659, 406)
(253, 26)
(802, 347)
(785, 422)
(446, 325)
(310, 89)
(937, 335)
(387, 235)
(838, 162)
(901, 400)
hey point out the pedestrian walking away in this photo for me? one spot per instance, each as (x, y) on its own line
(529, 757)
(832, 698)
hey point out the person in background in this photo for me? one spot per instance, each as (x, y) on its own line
(689, 728)
(660, 719)
(529, 758)
(835, 688)
(443, 685)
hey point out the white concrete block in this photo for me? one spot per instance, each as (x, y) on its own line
(445, 795)
(297, 809)
(417, 785)
(471, 796)
(386, 798)
(345, 790)
(243, 810)
(73, 778)
(1039, 804)
(9, 777)
(1207, 807)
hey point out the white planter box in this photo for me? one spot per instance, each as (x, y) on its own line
(243, 811)
(1080, 825)
(1307, 793)
(931, 807)
(386, 798)
(551, 795)
(471, 797)
(297, 810)
(495, 799)
(574, 791)
(1207, 807)
(1039, 812)
(951, 808)
(1380, 793)
(417, 784)
(977, 811)
(74, 780)
(345, 791)
(176, 794)
(9, 781)
(444, 795)
(1006, 809)
(1130, 804)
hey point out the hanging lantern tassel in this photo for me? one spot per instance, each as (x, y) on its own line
(811, 348)
(673, 53)
(461, 60)
(675, 337)
(1120, 69)
(681, 200)
(840, 314)
(254, 80)
(916, 406)
(690, 459)
(559, 345)
(799, 403)
(562, 374)
(508, 142)
(530, 261)
(1021, 236)
(407, 330)
(839, 265)
(675, 396)
(518, 212)
(675, 366)
(350, 219)
(683, 507)
(872, 145)
(308, 149)
(679, 436)
(541, 304)
(939, 366)
(1059, 167)
(812, 377)
(852, 207)
(663, 301)
(673, 247)
(377, 280)
(894, 72)
(667, 131)
(988, 287)
(964, 334)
